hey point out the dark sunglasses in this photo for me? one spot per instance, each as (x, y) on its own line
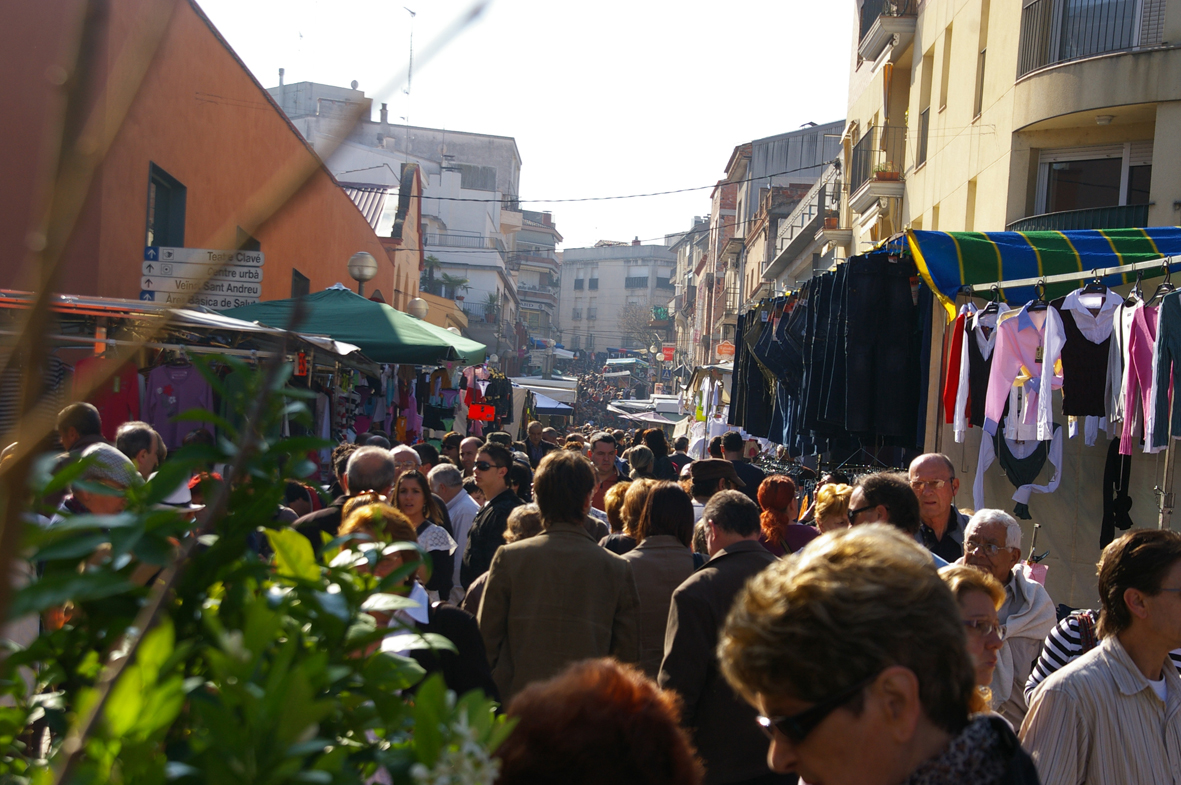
(854, 513)
(485, 466)
(797, 727)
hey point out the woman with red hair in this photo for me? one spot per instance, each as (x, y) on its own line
(781, 534)
(599, 721)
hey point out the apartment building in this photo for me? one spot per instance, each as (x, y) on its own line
(608, 292)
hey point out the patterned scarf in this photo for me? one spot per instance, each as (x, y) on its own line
(975, 757)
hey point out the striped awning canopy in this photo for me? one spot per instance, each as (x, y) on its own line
(948, 261)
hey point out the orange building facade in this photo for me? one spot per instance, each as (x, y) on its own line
(202, 159)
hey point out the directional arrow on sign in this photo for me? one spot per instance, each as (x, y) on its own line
(148, 268)
(150, 253)
(147, 282)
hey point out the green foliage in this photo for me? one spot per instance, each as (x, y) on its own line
(258, 670)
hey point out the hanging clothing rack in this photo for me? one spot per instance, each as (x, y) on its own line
(1165, 495)
(1102, 272)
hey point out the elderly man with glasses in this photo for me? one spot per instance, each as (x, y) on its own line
(992, 543)
(932, 477)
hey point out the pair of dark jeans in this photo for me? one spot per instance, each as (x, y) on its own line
(880, 326)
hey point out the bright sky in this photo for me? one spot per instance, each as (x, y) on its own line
(605, 98)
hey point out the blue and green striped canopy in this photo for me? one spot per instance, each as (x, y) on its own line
(948, 261)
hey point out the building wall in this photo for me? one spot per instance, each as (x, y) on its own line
(613, 264)
(215, 130)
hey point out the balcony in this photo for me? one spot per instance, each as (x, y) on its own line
(886, 22)
(448, 240)
(536, 261)
(877, 166)
(1058, 31)
(635, 283)
(1124, 217)
(541, 294)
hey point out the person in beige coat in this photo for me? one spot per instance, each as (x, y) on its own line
(660, 563)
(558, 597)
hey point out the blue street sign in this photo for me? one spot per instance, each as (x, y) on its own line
(666, 375)
(151, 253)
(146, 295)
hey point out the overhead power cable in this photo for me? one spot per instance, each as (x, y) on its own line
(509, 200)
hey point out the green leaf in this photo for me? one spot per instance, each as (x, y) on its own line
(430, 704)
(416, 641)
(71, 547)
(334, 604)
(82, 522)
(294, 557)
(56, 589)
(388, 602)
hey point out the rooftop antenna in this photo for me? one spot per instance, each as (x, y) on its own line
(409, 81)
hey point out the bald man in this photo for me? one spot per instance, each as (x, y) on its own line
(932, 478)
(468, 449)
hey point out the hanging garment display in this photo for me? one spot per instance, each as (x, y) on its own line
(1030, 342)
(1086, 352)
(1139, 416)
(1166, 356)
(975, 368)
(1022, 462)
(172, 389)
(1117, 502)
(117, 399)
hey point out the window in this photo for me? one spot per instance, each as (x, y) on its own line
(925, 105)
(578, 284)
(590, 342)
(576, 315)
(982, 48)
(1085, 178)
(166, 209)
(635, 282)
(575, 340)
(970, 209)
(945, 75)
(301, 286)
(594, 283)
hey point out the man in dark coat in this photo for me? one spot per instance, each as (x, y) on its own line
(534, 447)
(752, 476)
(723, 725)
(368, 469)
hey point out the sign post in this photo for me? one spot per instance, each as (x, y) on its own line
(218, 279)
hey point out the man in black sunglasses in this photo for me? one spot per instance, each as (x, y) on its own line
(853, 653)
(487, 532)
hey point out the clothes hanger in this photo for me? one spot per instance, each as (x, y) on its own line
(994, 304)
(1094, 287)
(1038, 303)
(1164, 287)
(1137, 293)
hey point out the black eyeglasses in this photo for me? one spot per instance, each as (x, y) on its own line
(797, 727)
(854, 513)
(485, 466)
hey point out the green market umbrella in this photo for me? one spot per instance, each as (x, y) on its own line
(384, 334)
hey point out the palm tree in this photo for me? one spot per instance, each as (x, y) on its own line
(431, 263)
(455, 283)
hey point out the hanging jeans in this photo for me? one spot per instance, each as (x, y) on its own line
(833, 411)
(882, 394)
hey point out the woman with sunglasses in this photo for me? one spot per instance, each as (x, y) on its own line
(853, 652)
(979, 597)
(412, 496)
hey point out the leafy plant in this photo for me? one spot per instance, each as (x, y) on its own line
(254, 669)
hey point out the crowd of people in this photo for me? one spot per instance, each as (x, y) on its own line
(594, 393)
(649, 618)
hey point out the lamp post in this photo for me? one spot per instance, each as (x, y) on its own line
(362, 268)
(418, 308)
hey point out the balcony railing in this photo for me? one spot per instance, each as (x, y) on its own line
(665, 283)
(1057, 31)
(542, 294)
(1123, 217)
(882, 147)
(635, 283)
(872, 9)
(448, 240)
(535, 260)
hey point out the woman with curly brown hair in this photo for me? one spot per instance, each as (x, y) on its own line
(781, 534)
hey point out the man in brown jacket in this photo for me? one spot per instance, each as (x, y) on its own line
(558, 597)
(724, 729)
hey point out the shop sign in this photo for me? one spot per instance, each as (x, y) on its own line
(669, 352)
(725, 349)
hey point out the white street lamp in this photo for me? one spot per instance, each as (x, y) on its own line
(362, 268)
(418, 308)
